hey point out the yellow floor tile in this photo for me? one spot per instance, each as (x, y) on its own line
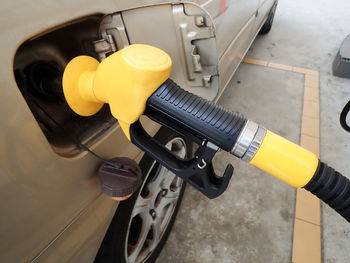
(307, 242)
(310, 143)
(307, 207)
(311, 109)
(311, 94)
(307, 232)
(306, 71)
(255, 61)
(311, 81)
(279, 66)
(310, 126)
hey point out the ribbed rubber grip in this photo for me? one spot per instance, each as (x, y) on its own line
(196, 115)
(332, 188)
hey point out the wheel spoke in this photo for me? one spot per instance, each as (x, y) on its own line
(156, 227)
(141, 206)
(177, 147)
(167, 180)
(144, 252)
(167, 215)
(146, 225)
(154, 185)
(170, 198)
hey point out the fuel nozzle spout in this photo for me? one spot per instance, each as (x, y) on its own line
(135, 81)
(275, 155)
(294, 165)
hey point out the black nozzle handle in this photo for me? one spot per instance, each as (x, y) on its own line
(197, 171)
(332, 188)
(172, 106)
(195, 118)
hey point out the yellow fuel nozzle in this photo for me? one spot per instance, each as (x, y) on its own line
(136, 77)
(285, 160)
(124, 80)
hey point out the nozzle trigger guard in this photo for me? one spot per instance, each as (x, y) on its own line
(197, 171)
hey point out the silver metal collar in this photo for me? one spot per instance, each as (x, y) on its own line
(255, 144)
(248, 141)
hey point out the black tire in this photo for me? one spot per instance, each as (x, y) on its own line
(268, 23)
(114, 247)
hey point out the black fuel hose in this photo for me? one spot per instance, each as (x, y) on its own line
(332, 188)
(343, 115)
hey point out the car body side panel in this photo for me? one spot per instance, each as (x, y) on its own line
(237, 49)
(232, 19)
(229, 16)
(41, 193)
(234, 25)
(264, 8)
(79, 242)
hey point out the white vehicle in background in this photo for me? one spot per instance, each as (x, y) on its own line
(52, 207)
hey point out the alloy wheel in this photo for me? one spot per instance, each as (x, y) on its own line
(154, 207)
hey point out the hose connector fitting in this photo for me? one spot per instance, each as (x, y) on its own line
(248, 141)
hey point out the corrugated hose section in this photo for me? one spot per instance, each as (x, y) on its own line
(331, 187)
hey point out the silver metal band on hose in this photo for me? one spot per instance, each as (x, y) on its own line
(255, 144)
(244, 139)
(248, 141)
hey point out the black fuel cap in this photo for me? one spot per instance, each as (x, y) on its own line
(120, 180)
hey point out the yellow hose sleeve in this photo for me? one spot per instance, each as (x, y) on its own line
(285, 160)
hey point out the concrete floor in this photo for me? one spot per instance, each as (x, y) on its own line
(253, 220)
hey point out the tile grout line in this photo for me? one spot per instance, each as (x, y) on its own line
(306, 246)
(306, 221)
